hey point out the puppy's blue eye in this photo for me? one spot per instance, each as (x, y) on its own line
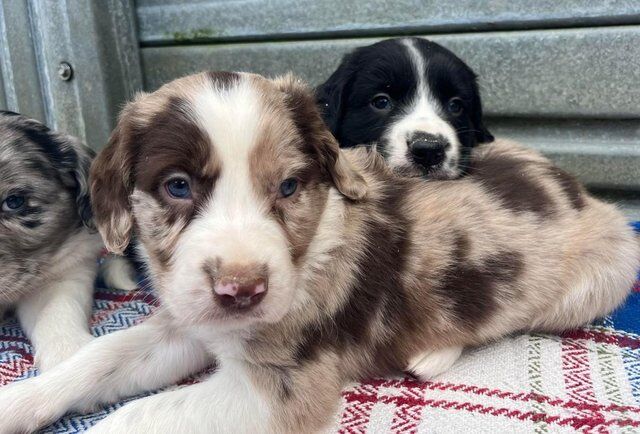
(288, 187)
(13, 203)
(178, 188)
(454, 106)
(381, 101)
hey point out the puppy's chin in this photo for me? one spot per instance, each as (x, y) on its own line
(411, 170)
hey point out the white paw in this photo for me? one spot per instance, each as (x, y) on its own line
(118, 273)
(24, 407)
(429, 364)
(52, 354)
(129, 419)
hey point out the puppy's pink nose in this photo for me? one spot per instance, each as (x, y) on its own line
(237, 294)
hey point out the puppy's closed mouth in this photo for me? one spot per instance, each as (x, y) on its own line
(431, 173)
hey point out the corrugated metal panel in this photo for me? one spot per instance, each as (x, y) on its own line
(20, 76)
(603, 154)
(170, 21)
(559, 76)
(563, 79)
(97, 39)
(535, 73)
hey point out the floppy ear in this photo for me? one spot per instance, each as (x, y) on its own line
(330, 95)
(69, 156)
(112, 184)
(304, 111)
(482, 133)
(81, 178)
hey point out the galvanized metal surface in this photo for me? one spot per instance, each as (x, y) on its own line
(570, 91)
(171, 21)
(21, 81)
(96, 39)
(604, 154)
(534, 73)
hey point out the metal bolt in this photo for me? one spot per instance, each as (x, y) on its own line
(65, 72)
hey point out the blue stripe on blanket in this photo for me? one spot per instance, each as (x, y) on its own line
(627, 317)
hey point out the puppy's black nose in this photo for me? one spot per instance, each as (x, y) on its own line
(428, 150)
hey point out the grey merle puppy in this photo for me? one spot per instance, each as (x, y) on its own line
(48, 248)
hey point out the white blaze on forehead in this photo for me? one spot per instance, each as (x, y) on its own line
(424, 104)
(234, 225)
(423, 114)
(232, 116)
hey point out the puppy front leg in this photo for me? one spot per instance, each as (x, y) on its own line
(226, 402)
(238, 398)
(56, 318)
(142, 358)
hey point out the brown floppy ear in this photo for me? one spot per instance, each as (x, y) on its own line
(306, 115)
(112, 184)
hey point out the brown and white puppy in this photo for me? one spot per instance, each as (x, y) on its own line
(287, 261)
(47, 250)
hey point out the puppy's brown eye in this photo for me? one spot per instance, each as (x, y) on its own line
(381, 102)
(454, 106)
(178, 188)
(288, 187)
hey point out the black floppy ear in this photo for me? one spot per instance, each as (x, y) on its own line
(80, 173)
(70, 157)
(331, 94)
(481, 132)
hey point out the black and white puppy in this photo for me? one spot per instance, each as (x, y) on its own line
(48, 250)
(416, 101)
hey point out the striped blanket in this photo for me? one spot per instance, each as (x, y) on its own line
(585, 380)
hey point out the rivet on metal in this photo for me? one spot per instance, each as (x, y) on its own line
(65, 72)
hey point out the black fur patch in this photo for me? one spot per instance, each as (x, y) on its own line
(472, 288)
(378, 288)
(574, 191)
(506, 178)
(224, 79)
(55, 150)
(31, 224)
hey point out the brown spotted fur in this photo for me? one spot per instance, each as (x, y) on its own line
(389, 266)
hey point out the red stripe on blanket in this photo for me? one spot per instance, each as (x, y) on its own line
(106, 314)
(417, 386)
(356, 415)
(12, 339)
(576, 422)
(144, 296)
(407, 416)
(601, 337)
(577, 376)
(17, 367)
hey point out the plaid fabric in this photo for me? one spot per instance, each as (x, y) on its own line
(585, 380)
